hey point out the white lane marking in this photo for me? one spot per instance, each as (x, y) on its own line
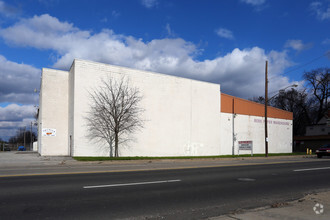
(246, 179)
(320, 168)
(132, 184)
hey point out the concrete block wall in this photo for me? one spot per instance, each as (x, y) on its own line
(53, 112)
(252, 128)
(182, 116)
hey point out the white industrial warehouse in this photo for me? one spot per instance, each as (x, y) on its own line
(182, 117)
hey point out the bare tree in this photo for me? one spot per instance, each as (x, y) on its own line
(114, 113)
(258, 99)
(19, 137)
(318, 82)
(307, 109)
(297, 102)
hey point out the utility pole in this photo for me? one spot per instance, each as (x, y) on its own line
(24, 135)
(31, 141)
(266, 103)
(233, 126)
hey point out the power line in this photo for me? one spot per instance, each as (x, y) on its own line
(305, 64)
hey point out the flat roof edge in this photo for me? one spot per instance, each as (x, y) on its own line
(147, 71)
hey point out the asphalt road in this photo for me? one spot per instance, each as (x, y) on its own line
(171, 194)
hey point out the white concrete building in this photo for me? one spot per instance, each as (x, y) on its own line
(182, 117)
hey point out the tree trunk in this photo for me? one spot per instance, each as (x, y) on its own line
(111, 149)
(116, 145)
(320, 111)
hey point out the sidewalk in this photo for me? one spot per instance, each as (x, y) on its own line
(29, 163)
(312, 206)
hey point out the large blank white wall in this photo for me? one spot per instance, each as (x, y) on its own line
(71, 110)
(252, 128)
(53, 112)
(182, 116)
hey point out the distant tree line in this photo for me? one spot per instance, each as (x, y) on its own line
(308, 105)
(23, 136)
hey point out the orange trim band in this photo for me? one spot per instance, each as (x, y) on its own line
(231, 104)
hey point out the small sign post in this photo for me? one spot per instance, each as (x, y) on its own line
(245, 145)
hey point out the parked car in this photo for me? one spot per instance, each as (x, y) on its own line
(6, 149)
(21, 148)
(323, 151)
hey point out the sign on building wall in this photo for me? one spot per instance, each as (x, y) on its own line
(48, 132)
(245, 145)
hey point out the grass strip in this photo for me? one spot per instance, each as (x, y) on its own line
(183, 157)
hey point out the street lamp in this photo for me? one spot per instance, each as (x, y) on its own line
(281, 91)
(266, 104)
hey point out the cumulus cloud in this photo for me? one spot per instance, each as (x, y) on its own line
(321, 10)
(14, 112)
(17, 82)
(297, 45)
(9, 129)
(14, 116)
(149, 3)
(225, 33)
(254, 2)
(240, 72)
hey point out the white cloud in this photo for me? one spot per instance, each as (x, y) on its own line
(240, 72)
(14, 112)
(149, 3)
(225, 33)
(254, 2)
(322, 12)
(39, 31)
(14, 116)
(297, 45)
(17, 82)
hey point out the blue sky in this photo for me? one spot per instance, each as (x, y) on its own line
(220, 41)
